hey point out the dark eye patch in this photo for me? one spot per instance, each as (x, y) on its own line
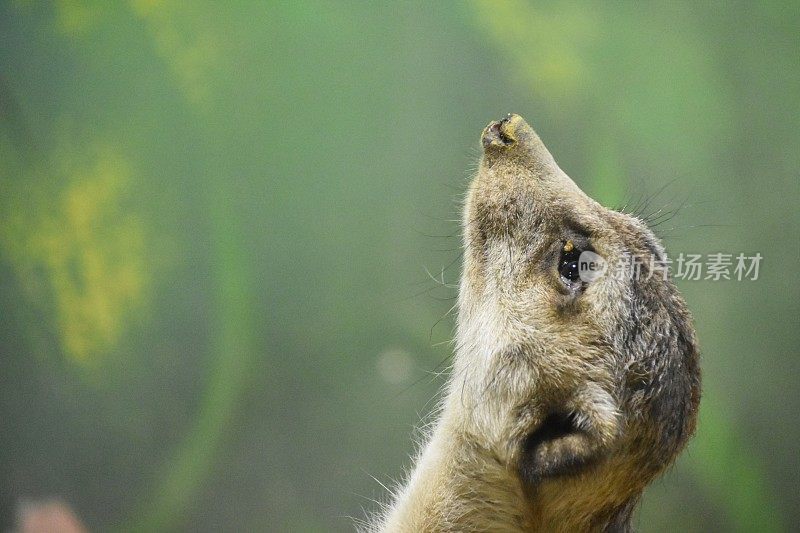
(568, 263)
(567, 259)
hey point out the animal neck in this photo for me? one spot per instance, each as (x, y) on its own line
(458, 484)
(466, 479)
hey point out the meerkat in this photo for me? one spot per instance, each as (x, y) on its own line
(567, 396)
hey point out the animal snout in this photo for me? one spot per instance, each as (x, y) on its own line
(505, 133)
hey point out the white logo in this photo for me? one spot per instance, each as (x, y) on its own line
(591, 266)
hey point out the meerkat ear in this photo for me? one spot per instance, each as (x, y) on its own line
(573, 439)
(556, 448)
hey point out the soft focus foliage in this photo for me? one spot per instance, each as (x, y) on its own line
(229, 238)
(78, 248)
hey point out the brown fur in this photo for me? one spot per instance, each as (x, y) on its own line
(565, 400)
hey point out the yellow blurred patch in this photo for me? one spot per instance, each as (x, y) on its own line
(76, 17)
(78, 248)
(186, 43)
(184, 36)
(544, 44)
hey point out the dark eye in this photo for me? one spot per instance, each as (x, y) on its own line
(568, 263)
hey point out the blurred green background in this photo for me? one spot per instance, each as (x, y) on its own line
(224, 228)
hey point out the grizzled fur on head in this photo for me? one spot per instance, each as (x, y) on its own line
(567, 397)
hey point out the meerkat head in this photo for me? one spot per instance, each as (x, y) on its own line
(576, 360)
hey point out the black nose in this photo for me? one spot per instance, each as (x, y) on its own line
(499, 133)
